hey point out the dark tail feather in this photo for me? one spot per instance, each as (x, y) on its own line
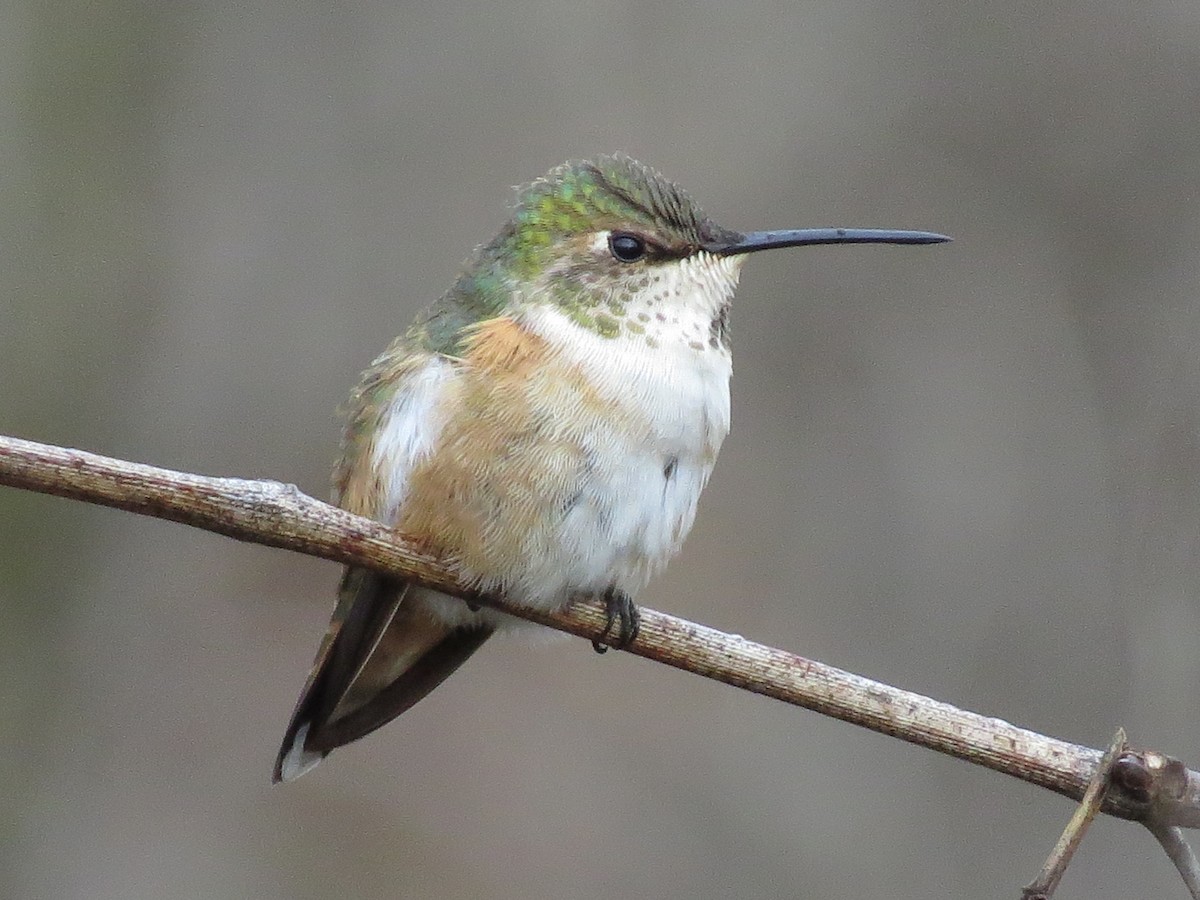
(379, 657)
(430, 670)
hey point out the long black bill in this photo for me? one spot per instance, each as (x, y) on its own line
(804, 237)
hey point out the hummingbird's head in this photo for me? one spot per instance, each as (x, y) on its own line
(616, 246)
(624, 251)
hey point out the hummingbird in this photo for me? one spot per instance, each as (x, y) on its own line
(546, 427)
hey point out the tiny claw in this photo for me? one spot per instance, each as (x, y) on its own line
(618, 605)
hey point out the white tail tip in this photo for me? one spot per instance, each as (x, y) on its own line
(297, 760)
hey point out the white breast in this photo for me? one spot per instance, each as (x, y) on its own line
(639, 501)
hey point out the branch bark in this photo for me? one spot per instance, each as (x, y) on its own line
(1148, 787)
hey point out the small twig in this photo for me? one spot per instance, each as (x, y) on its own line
(1171, 839)
(1158, 784)
(279, 515)
(1042, 887)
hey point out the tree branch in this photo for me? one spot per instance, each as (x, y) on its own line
(1147, 786)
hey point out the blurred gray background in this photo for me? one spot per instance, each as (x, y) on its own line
(971, 470)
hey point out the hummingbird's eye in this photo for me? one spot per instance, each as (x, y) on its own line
(626, 247)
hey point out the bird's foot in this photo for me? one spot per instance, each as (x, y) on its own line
(618, 606)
